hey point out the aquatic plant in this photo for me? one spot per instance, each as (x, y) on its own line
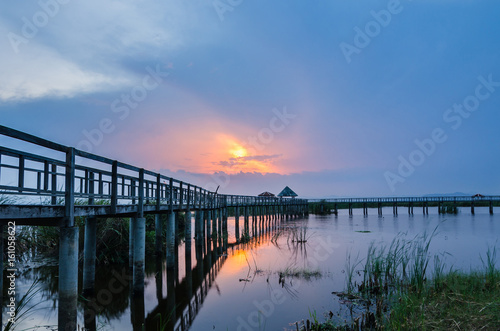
(25, 307)
(397, 291)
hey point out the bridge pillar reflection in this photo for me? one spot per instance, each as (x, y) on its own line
(171, 230)
(199, 232)
(139, 253)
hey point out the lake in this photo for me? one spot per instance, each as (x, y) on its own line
(286, 274)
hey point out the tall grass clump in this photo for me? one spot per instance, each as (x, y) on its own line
(401, 292)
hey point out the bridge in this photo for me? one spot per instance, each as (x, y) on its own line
(410, 202)
(46, 183)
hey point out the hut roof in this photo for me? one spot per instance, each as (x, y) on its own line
(287, 192)
(266, 194)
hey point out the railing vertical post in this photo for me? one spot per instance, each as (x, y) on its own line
(132, 190)
(140, 206)
(171, 195)
(91, 188)
(20, 183)
(54, 185)
(181, 196)
(69, 197)
(45, 175)
(114, 187)
(158, 192)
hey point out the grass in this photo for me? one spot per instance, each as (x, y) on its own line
(458, 301)
(24, 307)
(298, 235)
(301, 273)
(448, 209)
(112, 239)
(399, 292)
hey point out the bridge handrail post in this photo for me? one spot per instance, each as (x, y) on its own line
(114, 186)
(171, 195)
(181, 193)
(54, 185)
(140, 206)
(91, 187)
(158, 191)
(69, 194)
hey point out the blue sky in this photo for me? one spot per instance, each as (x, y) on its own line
(264, 94)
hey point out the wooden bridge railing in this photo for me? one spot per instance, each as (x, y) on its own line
(75, 176)
(410, 199)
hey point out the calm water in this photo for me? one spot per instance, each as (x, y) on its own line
(243, 287)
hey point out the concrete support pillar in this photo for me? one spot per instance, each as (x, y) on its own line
(472, 207)
(237, 223)
(491, 207)
(68, 278)
(171, 240)
(89, 254)
(1, 269)
(158, 232)
(187, 227)
(139, 254)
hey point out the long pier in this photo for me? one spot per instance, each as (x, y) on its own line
(46, 183)
(409, 202)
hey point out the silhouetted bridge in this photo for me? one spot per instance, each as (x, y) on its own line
(409, 202)
(46, 183)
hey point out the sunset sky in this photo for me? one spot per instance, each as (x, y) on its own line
(332, 98)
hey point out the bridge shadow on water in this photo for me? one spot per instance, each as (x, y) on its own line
(182, 274)
(183, 277)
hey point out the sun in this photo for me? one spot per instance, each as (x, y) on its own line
(238, 151)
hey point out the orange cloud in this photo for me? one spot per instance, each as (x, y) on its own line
(199, 146)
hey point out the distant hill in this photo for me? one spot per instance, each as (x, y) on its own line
(456, 194)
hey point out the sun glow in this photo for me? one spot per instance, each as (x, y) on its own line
(238, 151)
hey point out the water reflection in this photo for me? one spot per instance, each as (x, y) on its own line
(212, 280)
